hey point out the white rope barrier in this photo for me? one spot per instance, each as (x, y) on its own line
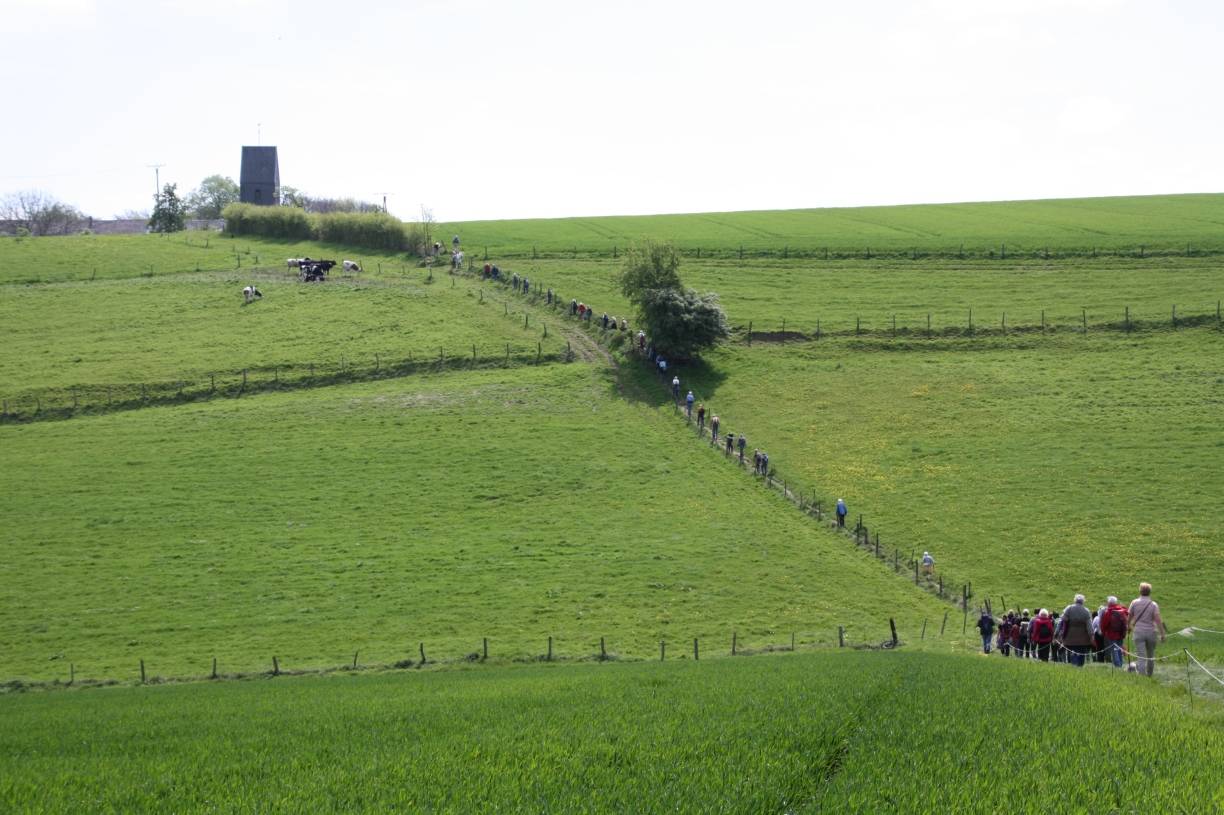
(1204, 668)
(1205, 630)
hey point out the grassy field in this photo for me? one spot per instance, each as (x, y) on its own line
(511, 504)
(809, 733)
(1160, 223)
(102, 257)
(121, 333)
(1034, 466)
(844, 294)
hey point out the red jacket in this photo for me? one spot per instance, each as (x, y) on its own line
(1113, 623)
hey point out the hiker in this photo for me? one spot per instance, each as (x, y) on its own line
(526, 285)
(986, 625)
(701, 416)
(1005, 628)
(1077, 630)
(487, 271)
(676, 387)
(841, 513)
(641, 338)
(624, 324)
(764, 463)
(496, 272)
(604, 319)
(573, 307)
(1041, 633)
(582, 308)
(714, 429)
(455, 242)
(756, 461)
(740, 443)
(662, 363)
(1113, 624)
(548, 298)
(730, 443)
(688, 404)
(1026, 644)
(1145, 625)
(590, 312)
(928, 565)
(1017, 645)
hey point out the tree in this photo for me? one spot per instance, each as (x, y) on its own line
(293, 197)
(427, 227)
(681, 322)
(39, 213)
(169, 211)
(213, 195)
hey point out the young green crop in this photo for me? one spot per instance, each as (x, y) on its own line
(1155, 223)
(844, 732)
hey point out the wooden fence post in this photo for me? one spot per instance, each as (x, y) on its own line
(733, 642)
(549, 649)
(603, 651)
(943, 624)
(422, 653)
(696, 651)
(923, 635)
(214, 670)
(142, 672)
(792, 641)
(484, 648)
(892, 624)
(662, 650)
(275, 667)
(355, 653)
(841, 637)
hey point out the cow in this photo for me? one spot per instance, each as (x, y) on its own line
(294, 263)
(352, 266)
(250, 294)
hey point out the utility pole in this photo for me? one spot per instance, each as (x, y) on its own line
(156, 178)
(384, 197)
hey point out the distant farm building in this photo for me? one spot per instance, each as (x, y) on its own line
(260, 179)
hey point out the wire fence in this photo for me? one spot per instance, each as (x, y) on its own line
(78, 400)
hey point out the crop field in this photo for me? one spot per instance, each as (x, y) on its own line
(511, 504)
(1167, 224)
(1034, 466)
(122, 333)
(807, 733)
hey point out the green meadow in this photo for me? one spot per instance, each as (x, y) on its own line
(121, 333)
(1034, 466)
(844, 732)
(512, 504)
(422, 503)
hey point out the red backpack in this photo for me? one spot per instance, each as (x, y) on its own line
(1113, 626)
(1043, 631)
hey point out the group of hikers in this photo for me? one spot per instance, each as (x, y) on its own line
(1078, 635)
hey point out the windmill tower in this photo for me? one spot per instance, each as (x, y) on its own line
(260, 179)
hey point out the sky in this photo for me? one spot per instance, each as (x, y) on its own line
(486, 110)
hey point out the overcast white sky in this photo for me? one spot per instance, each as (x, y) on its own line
(507, 110)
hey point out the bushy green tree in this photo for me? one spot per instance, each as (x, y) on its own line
(169, 211)
(681, 322)
(214, 194)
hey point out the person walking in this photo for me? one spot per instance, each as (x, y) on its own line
(676, 388)
(986, 625)
(841, 513)
(1114, 620)
(714, 429)
(1145, 625)
(1041, 632)
(764, 463)
(1005, 626)
(688, 405)
(701, 416)
(730, 442)
(740, 444)
(1026, 643)
(928, 565)
(1077, 632)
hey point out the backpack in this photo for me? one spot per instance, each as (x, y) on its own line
(1114, 624)
(1042, 631)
